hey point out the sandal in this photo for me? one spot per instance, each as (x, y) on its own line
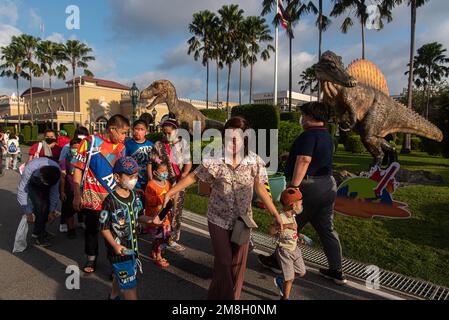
(162, 263)
(175, 246)
(90, 264)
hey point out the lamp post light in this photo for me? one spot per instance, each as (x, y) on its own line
(134, 93)
(154, 114)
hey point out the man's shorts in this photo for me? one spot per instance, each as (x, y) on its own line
(291, 262)
(125, 270)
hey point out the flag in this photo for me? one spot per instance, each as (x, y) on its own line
(281, 15)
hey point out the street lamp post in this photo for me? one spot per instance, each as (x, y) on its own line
(134, 93)
(154, 114)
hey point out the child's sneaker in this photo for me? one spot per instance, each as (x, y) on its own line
(63, 228)
(279, 283)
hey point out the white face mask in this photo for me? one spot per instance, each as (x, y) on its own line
(173, 136)
(129, 184)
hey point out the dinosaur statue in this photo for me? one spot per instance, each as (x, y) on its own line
(363, 102)
(163, 91)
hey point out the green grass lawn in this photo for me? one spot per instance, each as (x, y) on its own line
(417, 247)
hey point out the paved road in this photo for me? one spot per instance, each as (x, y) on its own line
(39, 273)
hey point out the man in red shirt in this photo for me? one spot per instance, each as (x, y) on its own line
(47, 148)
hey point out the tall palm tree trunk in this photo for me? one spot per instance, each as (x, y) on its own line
(18, 105)
(227, 94)
(251, 84)
(320, 41)
(240, 83)
(363, 39)
(218, 88)
(406, 148)
(51, 100)
(74, 97)
(290, 76)
(207, 84)
(31, 98)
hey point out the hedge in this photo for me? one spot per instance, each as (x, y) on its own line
(215, 114)
(259, 116)
(26, 132)
(34, 133)
(10, 129)
(354, 144)
(416, 143)
(288, 132)
(290, 116)
(431, 147)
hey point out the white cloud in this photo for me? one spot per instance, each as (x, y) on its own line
(56, 37)
(8, 12)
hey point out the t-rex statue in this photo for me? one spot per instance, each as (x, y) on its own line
(163, 91)
(364, 103)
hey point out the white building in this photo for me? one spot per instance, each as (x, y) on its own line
(297, 99)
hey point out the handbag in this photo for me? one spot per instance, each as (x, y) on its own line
(241, 232)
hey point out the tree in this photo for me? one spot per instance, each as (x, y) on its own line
(27, 45)
(76, 54)
(308, 81)
(242, 53)
(49, 55)
(288, 16)
(202, 26)
(429, 68)
(359, 9)
(231, 16)
(216, 54)
(12, 59)
(257, 33)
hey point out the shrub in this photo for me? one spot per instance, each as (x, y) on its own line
(432, 147)
(288, 132)
(9, 128)
(332, 127)
(354, 144)
(416, 143)
(290, 116)
(215, 114)
(34, 133)
(259, 116)
(26, 132)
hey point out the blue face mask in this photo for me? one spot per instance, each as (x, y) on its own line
(161, 176)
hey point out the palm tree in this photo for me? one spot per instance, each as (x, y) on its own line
(242, 53)
(430, 67)
(257, 32)
(27, 44)
(359, 9)
(231, 16)
(323, 22)
(308, 81)
(217, 54)
(413, 4)
(76, 54)
(292, 13)
(11, 67)
(201, 27)
(49, 55)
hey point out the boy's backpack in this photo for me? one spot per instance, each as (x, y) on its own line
(12, 148)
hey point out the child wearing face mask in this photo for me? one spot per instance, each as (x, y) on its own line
(121, 213)
(154, 199)
(47, 148)
(287, 251)
(66, 190)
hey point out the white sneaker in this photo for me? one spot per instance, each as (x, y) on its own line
(63, 228)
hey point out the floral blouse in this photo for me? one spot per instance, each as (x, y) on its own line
(232, 189)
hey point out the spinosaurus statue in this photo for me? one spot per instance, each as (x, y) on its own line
(163, 91)
(359, 96)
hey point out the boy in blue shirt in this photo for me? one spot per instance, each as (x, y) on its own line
(139, 149)
(121, 212)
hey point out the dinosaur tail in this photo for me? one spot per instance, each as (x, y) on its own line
(416, 124)
(214, 124)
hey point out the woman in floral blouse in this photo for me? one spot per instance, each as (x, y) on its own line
(232, 177)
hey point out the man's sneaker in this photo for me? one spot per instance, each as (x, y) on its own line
(337, 276)
(279, 283)
(270, 262)
(42, 242)
(63, 228)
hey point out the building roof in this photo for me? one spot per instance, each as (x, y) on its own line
(100, 83)
(35, 90)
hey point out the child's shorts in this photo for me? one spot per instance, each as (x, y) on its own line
(125, 271)
(291, 262)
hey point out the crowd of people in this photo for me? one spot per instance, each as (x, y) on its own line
(121, 187)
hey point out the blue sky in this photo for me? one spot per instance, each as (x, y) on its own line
(145, 40)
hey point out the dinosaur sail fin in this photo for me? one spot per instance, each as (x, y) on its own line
(366, 72)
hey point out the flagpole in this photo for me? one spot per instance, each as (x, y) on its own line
(276, 57)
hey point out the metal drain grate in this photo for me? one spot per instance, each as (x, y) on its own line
(392, 281)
